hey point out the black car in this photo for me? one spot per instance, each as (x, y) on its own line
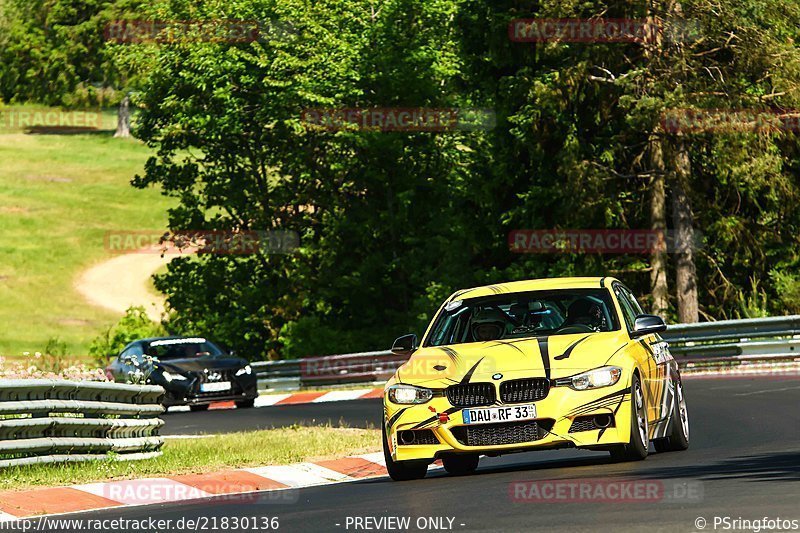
(193, 370)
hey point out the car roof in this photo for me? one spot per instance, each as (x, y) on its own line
(148, 340)
(543, 284)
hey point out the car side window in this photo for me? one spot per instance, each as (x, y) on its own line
(632, 300)
(134, 351)
(628, 310)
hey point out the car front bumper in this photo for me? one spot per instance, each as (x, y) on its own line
(563, 419)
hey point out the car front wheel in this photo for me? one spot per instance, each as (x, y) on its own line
(636, 449)
(402, 470)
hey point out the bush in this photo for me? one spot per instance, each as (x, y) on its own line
(134, 325)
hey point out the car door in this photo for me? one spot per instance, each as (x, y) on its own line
(657, 375)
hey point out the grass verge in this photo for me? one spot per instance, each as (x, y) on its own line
(59, 196)
(210, 454)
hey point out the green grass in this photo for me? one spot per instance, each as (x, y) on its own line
(196, 456)
(59, 195)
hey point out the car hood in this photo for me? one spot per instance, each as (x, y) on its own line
(198, 364)
(555, 356)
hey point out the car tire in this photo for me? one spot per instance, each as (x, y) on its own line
(460, 464)
(678, 438)
(199, 407)
(636, 449)
(402, 470)
(245, 404)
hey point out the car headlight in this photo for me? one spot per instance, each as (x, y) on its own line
(169, 376)
(407, 394)
(594, 379)
(244, 370)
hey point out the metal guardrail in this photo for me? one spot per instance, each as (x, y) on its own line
(49, 421)
(725, 340)
(737, 339)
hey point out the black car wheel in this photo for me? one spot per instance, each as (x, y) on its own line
(199, 407)
(245, 404)
(636, 449)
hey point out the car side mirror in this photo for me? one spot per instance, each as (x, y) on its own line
(647, 324)
(405, 345)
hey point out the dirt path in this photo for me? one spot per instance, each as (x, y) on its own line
(123, 281)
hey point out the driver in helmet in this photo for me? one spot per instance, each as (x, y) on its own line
(586, 312)
(488, 325)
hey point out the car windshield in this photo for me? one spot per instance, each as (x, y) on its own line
(165, 349)
(524, 314)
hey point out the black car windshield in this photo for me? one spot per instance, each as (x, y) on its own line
(164, 349)
(524, 314)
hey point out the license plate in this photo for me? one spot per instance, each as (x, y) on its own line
(491, 415)
(215, 387)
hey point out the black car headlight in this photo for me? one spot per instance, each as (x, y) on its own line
(408, 394)
(593, 379)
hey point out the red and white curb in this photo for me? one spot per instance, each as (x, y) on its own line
(268, 400)
(231, 483)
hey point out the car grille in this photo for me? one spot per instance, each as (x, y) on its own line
(505, 433)
(524, 390)
(225, 375)
(471, 394)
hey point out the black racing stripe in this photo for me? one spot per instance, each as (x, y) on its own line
(451, 354)
(545, 352)
(471, 371)
(571, 347)
(589, 408)
(647, 347)
(502, 343)
(594, 403)
(396, 416)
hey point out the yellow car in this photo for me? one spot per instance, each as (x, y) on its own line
(529, 365)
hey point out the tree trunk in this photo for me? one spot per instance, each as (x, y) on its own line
(686, 276)
(658, 223)
(124, 118)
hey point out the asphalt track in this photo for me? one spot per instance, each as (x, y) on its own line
(744, 462)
